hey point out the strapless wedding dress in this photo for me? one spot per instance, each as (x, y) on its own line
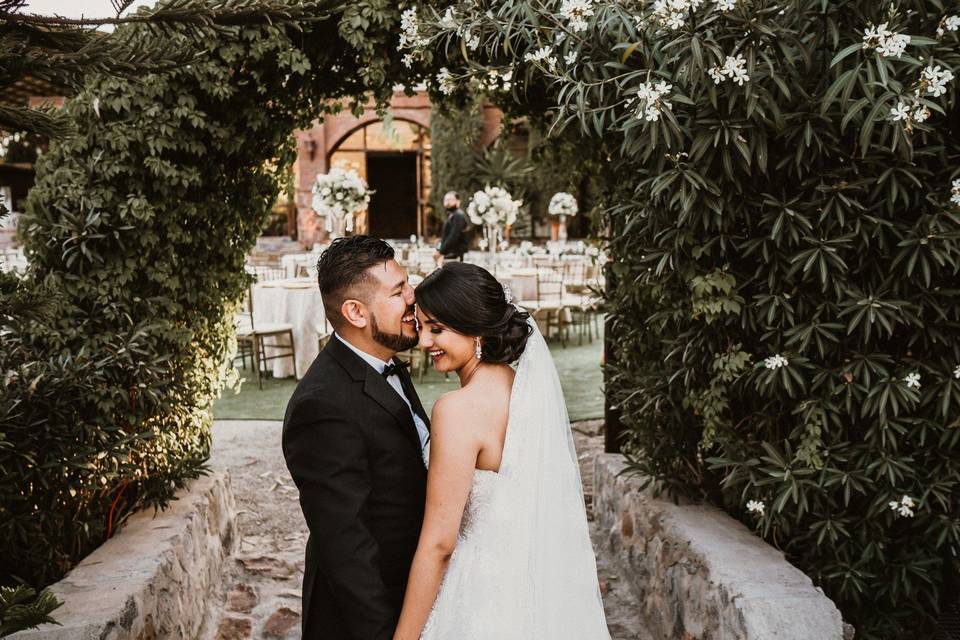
(523, 567)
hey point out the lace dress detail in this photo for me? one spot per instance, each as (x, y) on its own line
(484, 482)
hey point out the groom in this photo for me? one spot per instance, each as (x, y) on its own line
(353, 438)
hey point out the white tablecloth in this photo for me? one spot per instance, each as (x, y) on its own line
(297, 303)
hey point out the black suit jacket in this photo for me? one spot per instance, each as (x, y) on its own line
(453, 239)
(352, 449)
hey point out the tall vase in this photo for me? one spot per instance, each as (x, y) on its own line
(562, 231)
(493, 239)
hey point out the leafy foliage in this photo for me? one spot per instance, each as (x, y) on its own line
(140, 223)
(23, 608)
(785, 260)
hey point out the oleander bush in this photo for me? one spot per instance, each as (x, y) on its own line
(139, 225)
(784, 229)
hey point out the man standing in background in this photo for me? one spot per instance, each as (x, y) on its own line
(453, 239)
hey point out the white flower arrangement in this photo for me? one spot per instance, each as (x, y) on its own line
(492, 207)
(562, 204)
(904, 506)
(338, 195)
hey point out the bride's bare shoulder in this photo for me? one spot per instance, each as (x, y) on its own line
(488, 397)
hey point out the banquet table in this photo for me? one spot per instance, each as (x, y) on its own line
(294, 301)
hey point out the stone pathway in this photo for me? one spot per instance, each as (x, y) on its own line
(260, 592)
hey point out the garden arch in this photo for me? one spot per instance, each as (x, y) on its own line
(140, 224)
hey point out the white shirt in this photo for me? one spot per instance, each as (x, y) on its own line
(394, 381)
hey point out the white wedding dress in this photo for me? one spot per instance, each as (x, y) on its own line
(523, 567)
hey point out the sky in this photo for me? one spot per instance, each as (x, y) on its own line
(78, 8)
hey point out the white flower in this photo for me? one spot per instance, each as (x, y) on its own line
(576, 13)
(775, 362)
(652, 100)
(410, 30)
(673, 13)
(446, 82)
(726, 5)
(734, 67)
(570, 57)
(562, 204)
(756, 506)
(448, 21)
(950, 23)
(887, 43)
(955, 197)
(900, 112)
(407, 60)
(921, 113)
(913, 380)
(544, 55)
(472, 40)
(338, 195)
(904, 506)
(935, 79)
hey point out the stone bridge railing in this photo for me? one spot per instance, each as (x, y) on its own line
(701, 575)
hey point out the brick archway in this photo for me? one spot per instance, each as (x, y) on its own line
(315, 145)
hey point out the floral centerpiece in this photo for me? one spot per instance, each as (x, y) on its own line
(338, 196)
(562, 204)
(493, 208)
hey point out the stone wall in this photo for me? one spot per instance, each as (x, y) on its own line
(700, 574)
(153, 579)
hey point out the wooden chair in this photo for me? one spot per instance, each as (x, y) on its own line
(549, 305)
(250, 337)
(417, 359)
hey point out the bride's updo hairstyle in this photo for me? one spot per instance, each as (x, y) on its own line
(472, 302)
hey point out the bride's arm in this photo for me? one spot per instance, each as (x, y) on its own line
(453, 458)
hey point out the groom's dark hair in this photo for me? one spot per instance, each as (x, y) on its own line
(342, 272)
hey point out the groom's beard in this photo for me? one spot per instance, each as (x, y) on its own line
(393, 341)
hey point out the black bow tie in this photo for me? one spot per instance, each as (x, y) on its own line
(394, 368)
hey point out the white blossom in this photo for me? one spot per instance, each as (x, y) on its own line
(904, 506)
(570, 57)
(955, 199)
(888, 44)
(448, 21)
(935, 80)
(576, 13)
(407, 60)
(950, 23)
(410, 30)
(900, 112)
(446, 82)
(921, 113)
(913, 380)
(542, 55)
(673, 13)
(472, 40)
(726, 5)
(652, 100)
(756, 507)
(775, 362)
(734, 67)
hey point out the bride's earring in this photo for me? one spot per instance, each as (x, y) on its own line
(478, 351)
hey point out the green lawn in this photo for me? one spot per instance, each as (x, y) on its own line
(578, 366)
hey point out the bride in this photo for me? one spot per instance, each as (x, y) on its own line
(504, 553)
